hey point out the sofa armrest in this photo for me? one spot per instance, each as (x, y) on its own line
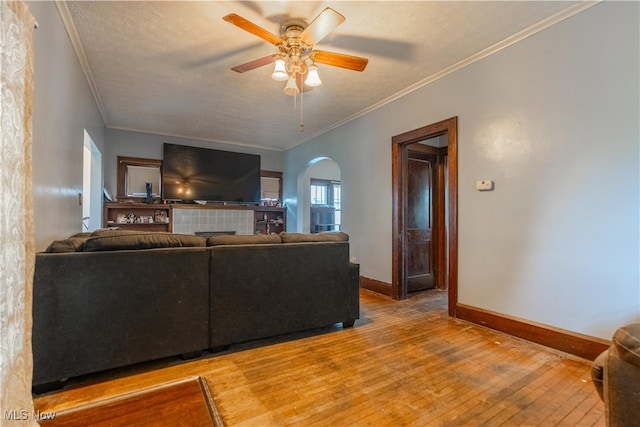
(621, 390)
(354, 282)
(616, 376)
(597, 372)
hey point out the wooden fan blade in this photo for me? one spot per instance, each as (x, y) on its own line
(349, 62)
(254, 29)
(256, 63)
(322, 25)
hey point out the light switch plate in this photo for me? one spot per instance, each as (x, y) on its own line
(484, 185)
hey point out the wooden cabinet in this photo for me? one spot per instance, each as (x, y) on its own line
(138, 216)
(270, 220)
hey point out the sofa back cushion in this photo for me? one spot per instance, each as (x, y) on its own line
(94, 311)
(71, 244)
(328, 236)
(251, 239)
(259, 291)
(114, 240)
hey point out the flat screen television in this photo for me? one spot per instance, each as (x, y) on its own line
(193, 173)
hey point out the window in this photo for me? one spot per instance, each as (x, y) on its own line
(326, 198)
(319, 194)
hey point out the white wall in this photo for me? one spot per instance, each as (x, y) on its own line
(63, 109)
(324, 169)
(553, 120)
(137, 144)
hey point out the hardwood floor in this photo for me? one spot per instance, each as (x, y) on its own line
(403, 363)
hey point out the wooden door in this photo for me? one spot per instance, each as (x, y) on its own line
(420, 247)
(445, 208)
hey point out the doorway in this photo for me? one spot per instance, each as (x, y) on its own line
(91, 185)
(319, 191)
(424, 247)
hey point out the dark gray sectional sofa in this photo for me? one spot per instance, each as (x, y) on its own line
(115, 298)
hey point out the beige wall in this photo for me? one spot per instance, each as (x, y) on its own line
(63, 109)
(138, 144)
(553, 120)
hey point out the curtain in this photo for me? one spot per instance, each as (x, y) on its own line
(17, 246)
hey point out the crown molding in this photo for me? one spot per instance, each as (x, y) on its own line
(528, 32)
(193, 138)
(67, 21)
(536, 28)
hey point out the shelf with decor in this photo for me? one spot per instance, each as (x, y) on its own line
(138, 216)
(270, 220)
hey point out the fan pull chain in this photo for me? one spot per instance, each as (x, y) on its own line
(301, 105)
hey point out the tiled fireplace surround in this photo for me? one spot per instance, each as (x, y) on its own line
(191, 221)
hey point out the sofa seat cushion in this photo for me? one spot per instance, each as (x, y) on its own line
(251, 239)
(328, 236)
(114, 240)
(627, 342)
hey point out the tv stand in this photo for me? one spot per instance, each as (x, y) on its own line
(265, 219)
(138, 216)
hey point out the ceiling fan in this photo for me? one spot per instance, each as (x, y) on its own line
(297, 56)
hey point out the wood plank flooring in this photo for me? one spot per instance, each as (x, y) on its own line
(404, 363)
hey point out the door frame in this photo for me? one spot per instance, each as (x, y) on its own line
(399, 155)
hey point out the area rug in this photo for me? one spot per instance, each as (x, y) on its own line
(185, 403)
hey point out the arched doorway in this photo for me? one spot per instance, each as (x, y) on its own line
(323, 175)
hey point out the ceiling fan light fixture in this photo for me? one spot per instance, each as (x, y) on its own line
(280, 71)
(291, 88)
(313, 78)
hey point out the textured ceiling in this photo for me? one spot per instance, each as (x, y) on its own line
(164, 67)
